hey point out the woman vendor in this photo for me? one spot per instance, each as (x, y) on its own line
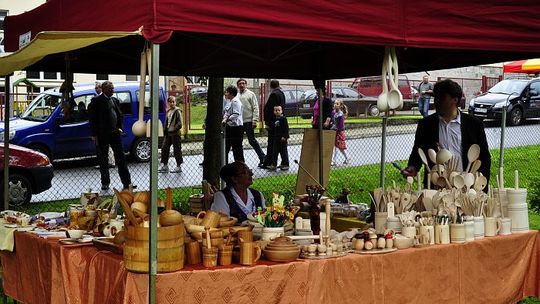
(237, 199)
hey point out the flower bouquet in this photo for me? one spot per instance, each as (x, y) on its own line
(274, 218)
(276, 215)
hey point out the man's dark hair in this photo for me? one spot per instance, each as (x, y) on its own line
(447, 86)
(240, 80)
(274, 83)
(232, 90)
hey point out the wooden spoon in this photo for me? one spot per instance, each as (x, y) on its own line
(459, 182)
(472, 155)
(480, 183)
(423, 157)
(131, 217)
(443, 156)
(475, 166)
(469, 180)
(432, 155)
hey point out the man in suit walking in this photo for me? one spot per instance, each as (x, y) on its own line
(105, 120)
(450, 129)
(276, 98)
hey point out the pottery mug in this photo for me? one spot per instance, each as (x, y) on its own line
(250, 253)
(245, 236)
(505, 225)
(211, 218)
(428, 234)
(457, 233)
(444, 234)
(491, 226)
(469, 231)
(478, 227)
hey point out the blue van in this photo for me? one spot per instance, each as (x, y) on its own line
(45, 128)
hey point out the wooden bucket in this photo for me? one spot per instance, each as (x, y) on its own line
(170, 248)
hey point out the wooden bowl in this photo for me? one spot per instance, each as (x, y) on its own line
(281, 255)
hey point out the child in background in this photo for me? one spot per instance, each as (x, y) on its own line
(281, 135)
(339, 114)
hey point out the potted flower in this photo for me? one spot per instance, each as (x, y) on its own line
(274, 218)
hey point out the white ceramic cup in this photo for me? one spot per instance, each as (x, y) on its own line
(491, 226)
(469, 231)
(478, 227)
(444, 234)
(457, 233)
(505, 226)
(428, 232)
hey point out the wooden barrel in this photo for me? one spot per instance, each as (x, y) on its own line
(170, 248)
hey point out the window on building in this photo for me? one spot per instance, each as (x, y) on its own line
(102, 76)
(50, 75)
(32, 75)
(132, 78)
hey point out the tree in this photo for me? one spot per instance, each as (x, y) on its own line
(212, 151)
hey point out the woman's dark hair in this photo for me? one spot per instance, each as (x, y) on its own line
(228, 171)
(232, 90)
(447, 86)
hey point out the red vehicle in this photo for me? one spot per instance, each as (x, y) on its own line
(30, 172)
(372, 86)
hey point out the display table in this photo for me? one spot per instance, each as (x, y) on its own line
(494, 270)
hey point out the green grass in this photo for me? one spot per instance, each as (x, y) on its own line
(198, 114)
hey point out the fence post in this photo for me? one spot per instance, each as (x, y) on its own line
(383, 149)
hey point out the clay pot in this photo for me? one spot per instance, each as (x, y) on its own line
(282, 249)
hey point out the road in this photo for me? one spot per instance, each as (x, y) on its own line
(364, 146)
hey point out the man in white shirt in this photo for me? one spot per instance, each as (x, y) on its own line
(250, 115)
(232, 119)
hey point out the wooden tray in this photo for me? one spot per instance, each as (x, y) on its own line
(108, 244)
(375, 251)
(322, 257)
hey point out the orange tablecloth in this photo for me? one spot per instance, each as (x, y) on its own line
(493, 270)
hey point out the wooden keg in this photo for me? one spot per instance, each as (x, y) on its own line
(170, 248)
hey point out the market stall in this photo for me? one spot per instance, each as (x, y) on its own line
(302, 43)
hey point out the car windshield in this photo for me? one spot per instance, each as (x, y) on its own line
(309, 94)
(41, 108)
(508, 87)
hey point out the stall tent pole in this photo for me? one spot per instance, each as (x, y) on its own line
(7, 116)
(154, 97)
(321, 106)
(383, 149)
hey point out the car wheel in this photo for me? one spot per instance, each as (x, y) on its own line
(516, 117)
(41, 149)
(19, 190)
(373, 110)
(141, 149)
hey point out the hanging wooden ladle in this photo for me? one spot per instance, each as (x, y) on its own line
(139, 127)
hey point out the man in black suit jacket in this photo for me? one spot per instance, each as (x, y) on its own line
(105, 120)
(460, 131)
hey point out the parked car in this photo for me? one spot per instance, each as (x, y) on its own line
(43, 126)
(357, 103)
(201, 92)
(522, 97)
(372, 86)
(292, 98)
(30, 173)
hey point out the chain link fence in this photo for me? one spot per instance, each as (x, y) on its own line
(360, 175)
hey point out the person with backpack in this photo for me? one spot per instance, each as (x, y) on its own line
(237, 199)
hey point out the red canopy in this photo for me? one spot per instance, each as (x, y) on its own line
(297, 39)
